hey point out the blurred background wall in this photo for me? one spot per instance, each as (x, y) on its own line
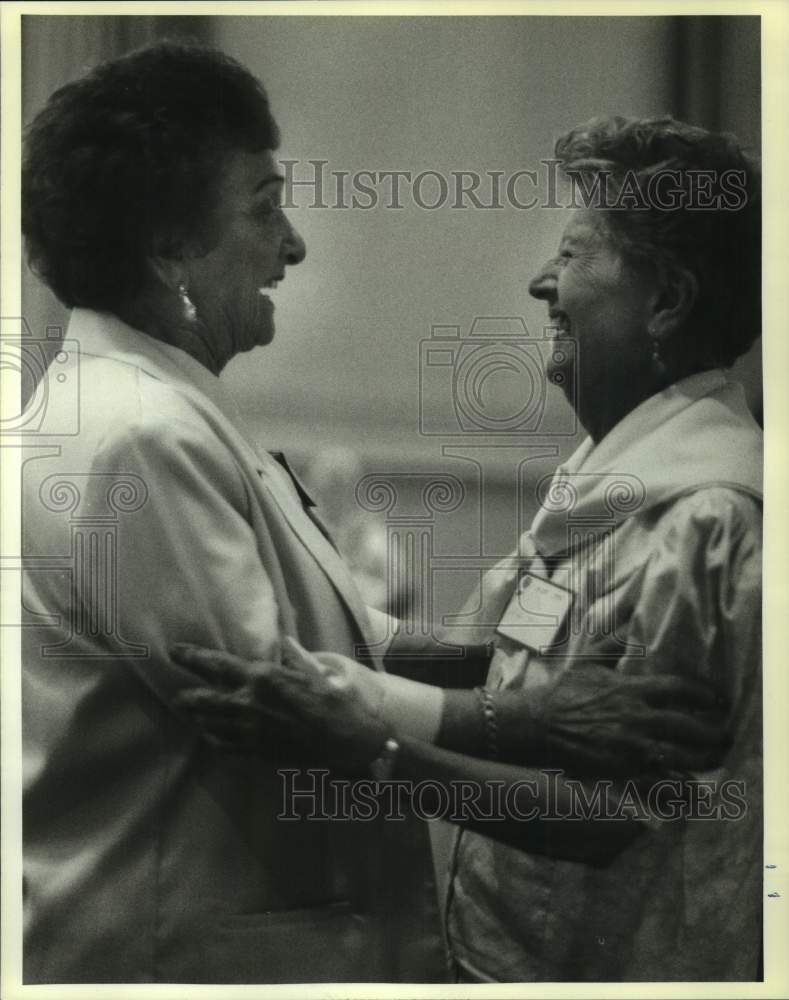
(483, 94)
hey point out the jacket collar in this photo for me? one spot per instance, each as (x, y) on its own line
(696, 433)
(101, 334)
(104, 335)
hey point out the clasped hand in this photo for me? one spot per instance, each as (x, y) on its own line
(322, 708)
(327, 709)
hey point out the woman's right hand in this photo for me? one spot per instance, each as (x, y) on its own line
(596, 721)
(326, 711)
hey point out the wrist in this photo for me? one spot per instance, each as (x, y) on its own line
(411, 708)
(383, 766)
(488, 709)
(462, 724)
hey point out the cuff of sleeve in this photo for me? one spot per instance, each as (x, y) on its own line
(411, 708)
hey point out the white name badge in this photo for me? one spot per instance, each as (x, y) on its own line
(536, 612)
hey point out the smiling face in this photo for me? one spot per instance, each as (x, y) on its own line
(598, 300)
(230, 286)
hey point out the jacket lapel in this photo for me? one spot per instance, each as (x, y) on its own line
(280, 489)
(104, 335)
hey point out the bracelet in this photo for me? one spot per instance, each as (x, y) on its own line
(491, 725)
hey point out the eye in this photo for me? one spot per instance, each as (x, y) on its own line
(266, 208)
(263, 209)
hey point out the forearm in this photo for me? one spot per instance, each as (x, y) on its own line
(411, 708)
(425, 659)
(453, 720)
(527, 809)
(609, 735)
(518, 734)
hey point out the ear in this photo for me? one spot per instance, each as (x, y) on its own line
(169, 271)
(672, 302)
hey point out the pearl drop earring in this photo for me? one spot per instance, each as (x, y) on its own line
(187, 306)
(657, 360)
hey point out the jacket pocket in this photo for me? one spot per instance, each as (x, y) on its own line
(324, 943)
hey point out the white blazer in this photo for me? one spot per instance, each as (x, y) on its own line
(150, 518)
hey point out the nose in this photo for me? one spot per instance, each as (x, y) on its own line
(294, 246)
(543, 284)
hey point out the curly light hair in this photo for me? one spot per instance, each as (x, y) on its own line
(679, 196)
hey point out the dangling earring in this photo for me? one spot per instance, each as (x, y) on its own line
(658, 363)
(187, 306)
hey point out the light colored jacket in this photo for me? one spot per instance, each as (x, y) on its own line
(656, 532)
(151, 518)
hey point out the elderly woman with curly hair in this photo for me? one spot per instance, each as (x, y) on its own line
(152, 208)
(645, 555)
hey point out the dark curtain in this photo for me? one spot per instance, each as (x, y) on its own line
(716, 83)
(717, 74)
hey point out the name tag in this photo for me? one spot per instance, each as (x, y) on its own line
(536, 612)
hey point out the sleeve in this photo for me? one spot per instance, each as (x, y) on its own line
(698, 607)
(187, 565)
(475, 623)
(383, 627)
(698, 612)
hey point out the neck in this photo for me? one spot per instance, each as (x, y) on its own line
(161, 317)
(600, 411)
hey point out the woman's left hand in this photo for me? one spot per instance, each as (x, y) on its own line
(325, 710)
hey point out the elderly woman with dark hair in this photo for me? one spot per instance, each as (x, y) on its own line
(645, 555)
(151, 206)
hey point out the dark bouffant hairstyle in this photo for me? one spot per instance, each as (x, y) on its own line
(125, 164)
(681, 196)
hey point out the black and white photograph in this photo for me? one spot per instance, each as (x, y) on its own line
(385, 499)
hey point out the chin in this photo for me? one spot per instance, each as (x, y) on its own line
(260, 335)
(260, 338)
(265, 336)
